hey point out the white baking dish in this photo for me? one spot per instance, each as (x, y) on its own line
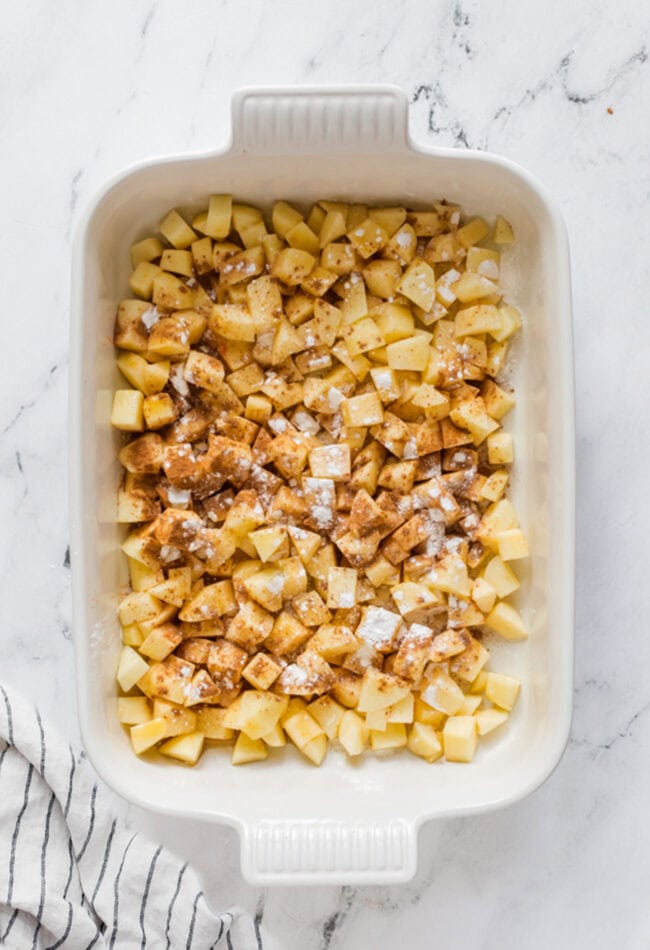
(345, 822)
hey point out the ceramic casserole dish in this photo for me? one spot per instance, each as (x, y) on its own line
(346, 822)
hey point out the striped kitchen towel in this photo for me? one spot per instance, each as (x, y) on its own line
(70, 875)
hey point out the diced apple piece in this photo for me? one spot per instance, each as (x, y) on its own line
(269, 542)
(502, 578)
(473, 232)
(133, 710)
(459, 738)
(209, 721)
(179, 719)
(510, 322)
(275, 739)
(409, 354)
(503, 233)
(470, 705)
(131, 668)
(176, 230)
(127, 413)
(418, 283)
(255, 713)
(512, 545)
(442, 693)
(341, 587)
(248, 750)
(377, 720)
(364, 410)
(302, 728)
(219, 217)
(331, 461)
(483, 594)
(403, 711)
(505, 620)
(479, 684)
(292, 266)
(261, 672)
(266, 588)
(368, 237)
(328, 714)
(394, 736)
(159, 410)
(147, 734)
(315, 749)
(148, 249)
(502, 690)
(423, 741)
(161, 642)
(489, 719)
(379, 690)
(352, 733)
(500, 448)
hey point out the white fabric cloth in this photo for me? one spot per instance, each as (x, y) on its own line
(71, 876)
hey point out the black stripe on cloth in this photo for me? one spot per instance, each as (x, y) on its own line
(40, 729)
(10, 718)
(46, 838)
(152, 868)
(70, 869)
(221, 926)
(4, 752)
(14, 842)
(171, 906)
(102, 870)
(66, 807)
(94, 940)
(14, 839)
(68, 926)
(229, 941)
(116, 891)
(91, 826)
(219, 937)
(257, 920)
(62, 940)
(12, 921)
(190, 935)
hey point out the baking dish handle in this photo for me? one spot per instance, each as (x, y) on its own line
(328, 852)
(319, 119)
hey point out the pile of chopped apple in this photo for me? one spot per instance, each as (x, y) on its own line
(315, 482)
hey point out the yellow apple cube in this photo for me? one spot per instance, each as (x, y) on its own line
(489, 719)
(423, 741)
(352, 733)
(503, 232)
(500, 576)
(379, 690)
(459, 738)
(248, 750)
(328, 714)
(133, 710)
(512, 545)
(147, 734)
(502, 690)
(500, 448)
(127, 411)
(409, 354)
(394, 736)
(505, 620)
(131, 668)
(443, 693)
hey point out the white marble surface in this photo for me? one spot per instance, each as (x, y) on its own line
(86, 89)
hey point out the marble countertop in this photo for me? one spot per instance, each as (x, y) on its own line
(562, 88)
